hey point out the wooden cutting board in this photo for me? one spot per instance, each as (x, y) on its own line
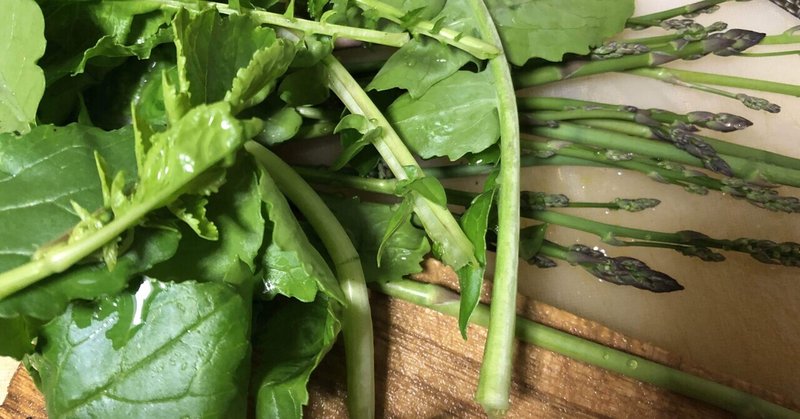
(425, 370)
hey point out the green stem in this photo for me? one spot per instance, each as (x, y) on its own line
(495, 378)
(789, 36)
(394, 39)
(736, 401)
(356, 318)
(686, 76)
(474, 46)
(654, 19)
(437, 220)
(727, 42)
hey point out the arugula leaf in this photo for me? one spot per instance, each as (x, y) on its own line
(475, 223)
(551, 28)
(80, 31)
(290, 341)
(236, 213)
(456, 116)
(418, 65)
(293, 267)
(35, 210)
(366, 223)
(22, 43)
(306, 86)
(170, 350)
(242, 73)
(356, 132)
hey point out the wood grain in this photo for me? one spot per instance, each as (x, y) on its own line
(425, 370)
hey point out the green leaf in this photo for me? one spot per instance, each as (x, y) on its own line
(357, 132)
(236, 212)
(429, 187)
(18, 336)
(22, 43)
(531, 240)
(79, 32)
(293, 267)
(169, 350)
(418, 65)
(48, 298)
(366, 223)
(34, 209)
(401, 216)
(551, 28)
(456, 116)
(242, 73)
(306, 86)
(281, 126)
(290, 340)
(475, 223)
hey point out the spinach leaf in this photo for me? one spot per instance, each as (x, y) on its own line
(475, 223)
(18, 336)
(306, 86)
(169, 350)
(456, 116)
(551, 28)
(290, 340)
(22, 43)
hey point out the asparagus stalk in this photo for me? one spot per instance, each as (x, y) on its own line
(736, 401)
(655, 19)
(726, 43)
(356, 318)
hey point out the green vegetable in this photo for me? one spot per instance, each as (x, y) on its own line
(155, 212)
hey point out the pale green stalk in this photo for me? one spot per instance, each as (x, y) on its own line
(495, 379)
(736, 401)
(356, 317)
(437, 220)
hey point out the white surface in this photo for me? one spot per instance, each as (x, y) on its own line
(7, 368)
(738, 317)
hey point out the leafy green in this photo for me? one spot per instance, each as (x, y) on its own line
(418, 65)
(293, 267)
(21, 80)
(169, 350)
(356, 132)
(18, 336)
(305, 86)
(456, 116)
(551, 28)
(475, 223)
(236, 213)
(288, 345)
(34, 210)
(82, 31)
(281, 126)
(242, 73)
(48, 298)
(366, 223)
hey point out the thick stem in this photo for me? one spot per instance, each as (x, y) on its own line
(495, 379)
(686, 76)
(457, 250)
(356, 318)
(740, 403)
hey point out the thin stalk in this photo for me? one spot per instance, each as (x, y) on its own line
(789, 36)
(393, 39)
(437, 220)
(654, 19)
(356, 318)
(474, 46)
(741, 167)
(724, 43)
(495, 378)
(687, 76)
(736, 401)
